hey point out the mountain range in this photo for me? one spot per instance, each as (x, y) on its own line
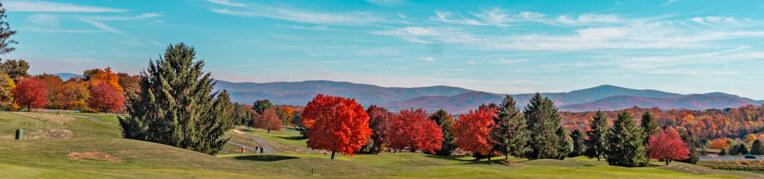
(461, 100)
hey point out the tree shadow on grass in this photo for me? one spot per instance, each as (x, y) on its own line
(265, 158)
(246, 130)
(498, 160)
(293, 138)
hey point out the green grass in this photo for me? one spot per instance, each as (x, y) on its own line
(49, 158)
(107, 118)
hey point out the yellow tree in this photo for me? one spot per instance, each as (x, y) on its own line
(750, 138)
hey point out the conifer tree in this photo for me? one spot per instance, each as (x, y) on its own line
(596, 143)
(261, 105)
(445, 121)
(566, 143)
(508, 131)
(649, 126)
(579, 143)
(543, 119)
(757, 148)
(694, 155)
(624, 143)
(176, 105)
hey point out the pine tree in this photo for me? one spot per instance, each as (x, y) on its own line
(624, 143)
(261, 105)
(445, 120)
(596, 143)
(579, 143)
(176, 105)
(508, 131)
(5, 34)
(566, 143)
(694, 155)
(757, 148)
(649, 126)
(543, 120)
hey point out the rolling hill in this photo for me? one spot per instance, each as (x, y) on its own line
(460, 100)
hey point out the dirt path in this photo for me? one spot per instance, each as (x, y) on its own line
(266, 148)
(96, 120)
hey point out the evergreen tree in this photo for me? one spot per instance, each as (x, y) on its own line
(566, 143)
(543, 120)
(444, 120)
(5, 34)
(739, 149)
(176, 105)
(596, 143)
(508, 132)
(649, 126)
(757, 148)
(694, 155)
(624, 143)
(261, 105)
(579, 143)
(723, 152)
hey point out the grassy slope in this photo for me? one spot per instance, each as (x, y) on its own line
(49, 158)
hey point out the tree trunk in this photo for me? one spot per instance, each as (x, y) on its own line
(269, 131)
(506, 156)
(333, 154)
(667, 161)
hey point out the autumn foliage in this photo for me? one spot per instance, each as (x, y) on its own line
(104, 98)
(413, 130)
(472, 131)
(269, 120)
(381, 123)
(30, 92)
(722, 143)
(667, 145)
(98, 76)
(336, 124)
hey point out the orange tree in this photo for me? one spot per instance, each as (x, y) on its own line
(413, 130)
(667, 145)
(472, 132)
(336, 124)
(104, 98)
(30, 92)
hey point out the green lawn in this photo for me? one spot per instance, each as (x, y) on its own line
(97, 151)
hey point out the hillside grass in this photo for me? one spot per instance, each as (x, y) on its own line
(46, 157)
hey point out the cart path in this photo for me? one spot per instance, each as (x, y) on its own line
(96, 120)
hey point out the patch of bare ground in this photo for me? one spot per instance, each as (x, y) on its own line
(51, 134)
(54, 118)
(93, 156)
(512, 163)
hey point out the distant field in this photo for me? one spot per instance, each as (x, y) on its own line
(97, 151)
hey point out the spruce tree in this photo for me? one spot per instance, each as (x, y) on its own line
(261, 105)
(543, 120)
(595, 142)
(445, 120)
(693, 156)
(509, 132)
(624, 143)
(579, 143)
(566, 143)
(177, 106)
(649, 126)
(757, 148)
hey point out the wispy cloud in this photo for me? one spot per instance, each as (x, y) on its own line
(348, 18)
(502, 18)
(669, 2)
(45, 6)
(44, 19)
(429, 59)
(387, 2)
(511, 61)
(97, 21)
(227, 3)
(317, 27)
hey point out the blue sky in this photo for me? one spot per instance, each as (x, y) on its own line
(498, 46)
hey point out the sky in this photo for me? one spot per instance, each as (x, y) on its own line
(683, 46)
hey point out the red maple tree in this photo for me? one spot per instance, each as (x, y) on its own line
(105, 98)
(413, 130)
(269, 120)
(667, 145)
(380, 122)
(336, 124)
(472, 131)
(30, 92)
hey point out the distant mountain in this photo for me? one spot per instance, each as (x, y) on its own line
(66, 76)
(431, 103)
(299, 93)
(695, 101)
(460, 100)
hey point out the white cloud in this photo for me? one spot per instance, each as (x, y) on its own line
(227, 3)
(589, 19)
(446, 17)
(387, 2)
(102, 26)
(471, 62)
(157, 22)
(97, 21)
(44, 6)
(429, 59)
(317, 27)
(44, 19)
(350, 18)
(508, 61)
(669, 2)
(716, 20)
